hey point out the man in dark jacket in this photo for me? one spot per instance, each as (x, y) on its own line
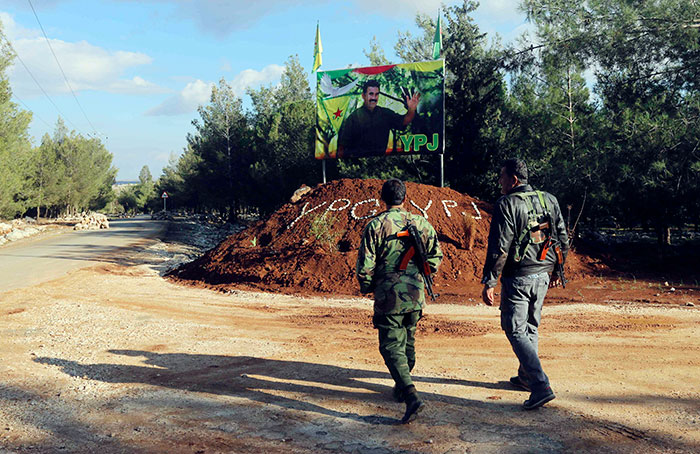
(365, 132)
(526, 228)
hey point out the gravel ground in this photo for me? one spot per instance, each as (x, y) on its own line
(114, 358)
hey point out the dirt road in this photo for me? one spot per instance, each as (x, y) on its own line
(113, 358)
(54, 253)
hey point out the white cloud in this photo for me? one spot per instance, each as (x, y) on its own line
(251, 78)
(162, 158)
(503, 19)
(405, 7)
(87, 67)
(193, 95)
(198, 92)
(13, 30)
(522, 35)
(23, 3)
(225, 65)
(500, 10)
(222, 17)
(135, 85)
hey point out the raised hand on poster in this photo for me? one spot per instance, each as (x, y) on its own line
(367, 111)
(412, 102)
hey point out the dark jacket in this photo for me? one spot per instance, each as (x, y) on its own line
(366, 132)
(510, 217)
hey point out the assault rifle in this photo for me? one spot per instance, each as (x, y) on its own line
(537, 232)
(560, 265)
(417, 252)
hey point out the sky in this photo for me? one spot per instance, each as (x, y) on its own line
(136, 71)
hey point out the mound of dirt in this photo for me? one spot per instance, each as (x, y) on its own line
(310, 247)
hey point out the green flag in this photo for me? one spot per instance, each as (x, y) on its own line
(318, 48)
(437, 40)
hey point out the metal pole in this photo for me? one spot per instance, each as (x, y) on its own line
(323, 166)
(444, 141)
(164, 199)
(442, 170)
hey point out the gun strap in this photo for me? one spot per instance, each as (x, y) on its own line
(407, 256)
(412, 252)
(523, 239)
(545, 250)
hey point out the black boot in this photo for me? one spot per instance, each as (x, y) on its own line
(398, 394)
(539, 398)
(413, 404)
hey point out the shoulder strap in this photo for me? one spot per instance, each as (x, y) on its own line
(529, 195)
(543, 201)
(523, 239)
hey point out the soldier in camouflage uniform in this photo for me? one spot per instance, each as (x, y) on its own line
(399, 295)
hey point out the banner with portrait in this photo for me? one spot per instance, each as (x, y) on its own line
(380, 110)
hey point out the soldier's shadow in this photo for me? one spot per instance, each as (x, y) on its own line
(257, 379)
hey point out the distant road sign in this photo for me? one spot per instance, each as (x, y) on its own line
(165, 195)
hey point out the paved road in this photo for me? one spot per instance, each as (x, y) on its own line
(34, 261)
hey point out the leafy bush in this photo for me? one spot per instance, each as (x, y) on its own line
(322, 232)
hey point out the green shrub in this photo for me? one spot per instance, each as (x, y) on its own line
(322, 230)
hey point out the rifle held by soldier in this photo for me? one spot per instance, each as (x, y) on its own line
(417, 252)
(560, 265)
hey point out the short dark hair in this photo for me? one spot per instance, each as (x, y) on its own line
(370, 83)
(393, 192)
(516, 167)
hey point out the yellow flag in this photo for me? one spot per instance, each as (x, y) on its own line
(334, 111)
(318, 49)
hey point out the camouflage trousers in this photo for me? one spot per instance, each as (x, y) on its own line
(397, 341)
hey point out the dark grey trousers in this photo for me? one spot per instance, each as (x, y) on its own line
(521, 309)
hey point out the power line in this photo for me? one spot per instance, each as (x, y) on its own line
(37, 83)
(61, 68)
(34, 114)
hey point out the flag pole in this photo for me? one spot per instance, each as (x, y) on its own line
(437, 50)
(444, 141)
(318, 50)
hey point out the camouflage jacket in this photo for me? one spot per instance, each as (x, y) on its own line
(395, 291)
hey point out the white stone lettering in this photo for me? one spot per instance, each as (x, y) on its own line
(304, 212)
(332, 207)
(448, 203)
(371, 213)
(344, 204)
(478, 213)
(424, 211)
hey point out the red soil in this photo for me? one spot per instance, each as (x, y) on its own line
(281, 254)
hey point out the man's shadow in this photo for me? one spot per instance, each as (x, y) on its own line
(260, 379)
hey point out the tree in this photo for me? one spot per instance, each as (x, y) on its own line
(551, 122)
(48, 176)
(222, 144)
(420, 48)
(180, 179)
(646, 67)
(375, 54)
(146, 190)
(145, 177)
(474, 98)
(128, 199)
(14, 143)
(88, 171)
(283, 119)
